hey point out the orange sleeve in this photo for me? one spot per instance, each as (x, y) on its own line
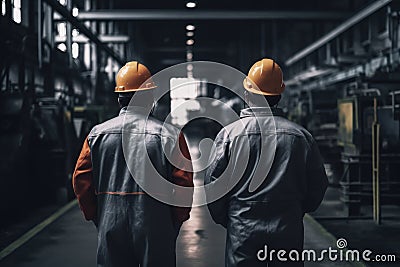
(82, 182)
(182, 174)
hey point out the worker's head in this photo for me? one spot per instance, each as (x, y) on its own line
(142, 99)
(264, 82)
(134, 79)
(257, 100)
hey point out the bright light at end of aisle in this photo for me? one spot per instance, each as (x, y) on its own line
(190, 4)
(190, 27)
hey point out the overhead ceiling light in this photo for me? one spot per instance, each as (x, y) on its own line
(189, 34)
(190, 42)
(190, 27)
(75, 12)
(75, 32)
(63, 2)
(190, 4)
(75, 50)
(62, 47)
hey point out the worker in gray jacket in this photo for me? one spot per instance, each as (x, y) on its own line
(273, 174)
(118, 159)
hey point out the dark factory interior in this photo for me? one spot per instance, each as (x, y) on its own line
(58, 65)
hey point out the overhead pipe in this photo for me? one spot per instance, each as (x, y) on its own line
(103, 38)
(154, 14)
(39, 39)
(83, 29)
(372, 8)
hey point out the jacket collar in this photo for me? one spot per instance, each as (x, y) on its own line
(134, 110)
(261, 112)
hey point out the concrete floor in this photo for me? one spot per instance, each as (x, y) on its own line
(71, 241)
(362, 233)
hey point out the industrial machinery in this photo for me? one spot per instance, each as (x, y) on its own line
(355, 67)
(316, 110)
(40, 135)
(368, 149)
(39, 144)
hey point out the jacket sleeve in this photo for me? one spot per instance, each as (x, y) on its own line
(182, 174)
(317, 181)
(82, 182)
(218, 163)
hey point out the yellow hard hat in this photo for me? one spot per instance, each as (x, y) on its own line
(265, 78)
(132, 77)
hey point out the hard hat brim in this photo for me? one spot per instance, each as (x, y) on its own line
(133, 90)
(257, 91)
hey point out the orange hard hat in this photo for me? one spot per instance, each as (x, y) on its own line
(265, 78)
(132, 77)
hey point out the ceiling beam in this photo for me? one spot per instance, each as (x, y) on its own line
(83, 29)
(172, 61)
(184, 49)
(103, 38)
(372, 8)
(154, 14)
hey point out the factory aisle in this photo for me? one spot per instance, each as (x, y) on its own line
(70, 241)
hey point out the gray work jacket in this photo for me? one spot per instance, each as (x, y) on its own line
(119, 158)
(294, 184)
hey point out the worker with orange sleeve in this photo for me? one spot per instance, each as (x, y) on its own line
(119, 158)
